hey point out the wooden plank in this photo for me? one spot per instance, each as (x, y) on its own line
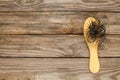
(57, 69)
(54, 46)
(54, 22)
(60, 5)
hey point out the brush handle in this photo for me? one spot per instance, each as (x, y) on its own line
(94, 62)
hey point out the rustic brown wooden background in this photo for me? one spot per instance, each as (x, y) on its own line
(43, 39)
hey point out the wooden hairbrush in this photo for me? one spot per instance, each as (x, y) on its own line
(92, 37)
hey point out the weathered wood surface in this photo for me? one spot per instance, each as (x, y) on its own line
(60, 5)
(54, 46)
(57, 69)
(54, 22)
(28, 51)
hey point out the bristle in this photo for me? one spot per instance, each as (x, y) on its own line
(95, 31)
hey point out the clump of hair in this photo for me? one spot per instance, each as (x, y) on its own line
(96, 30)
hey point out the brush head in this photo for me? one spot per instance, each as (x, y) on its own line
(93, 30)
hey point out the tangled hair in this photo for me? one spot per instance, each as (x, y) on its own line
(96, 30)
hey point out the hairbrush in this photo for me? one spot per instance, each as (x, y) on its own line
(94, 33)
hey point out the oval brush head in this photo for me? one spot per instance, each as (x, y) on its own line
(90, 30)
(90, 35)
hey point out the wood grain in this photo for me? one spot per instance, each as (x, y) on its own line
(54, 22)
(40, 39)
(54, 46)
(57, 69)
(60, 5)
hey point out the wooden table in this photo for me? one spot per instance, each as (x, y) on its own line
(43, 39)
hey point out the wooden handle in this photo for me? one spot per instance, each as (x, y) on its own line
(94, 62)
